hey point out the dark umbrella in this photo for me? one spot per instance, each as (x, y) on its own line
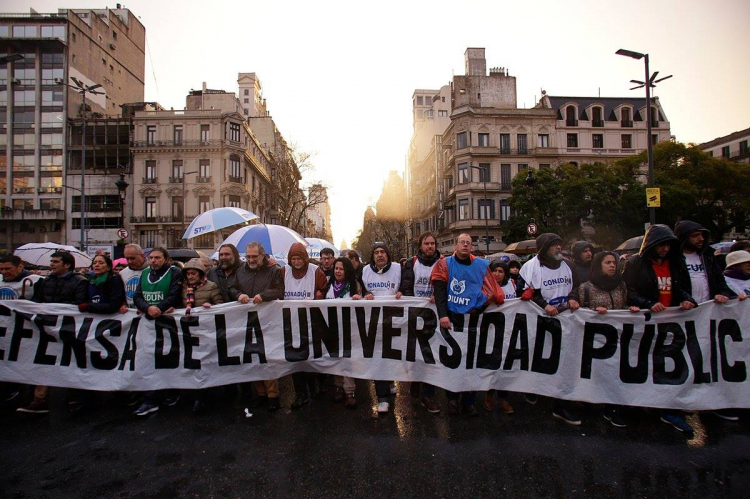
(632, 245)
(522, 247)
(180, 254)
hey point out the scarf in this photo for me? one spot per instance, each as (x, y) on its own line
(190, 293)
(428, 261)
(380, 271)
(340, 289)
(598, 279)
(737, 274)
(98, 281)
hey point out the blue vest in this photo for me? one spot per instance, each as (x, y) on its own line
(465, 285)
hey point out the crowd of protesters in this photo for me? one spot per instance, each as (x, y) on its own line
(672, 269)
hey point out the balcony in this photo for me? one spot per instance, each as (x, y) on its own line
(49, 190)
(176, 180)
(149, 180)
(521, 151)
(176, 143)
(10, 214)
(237, 180)
(626, 123)
(23, 190)
(597, 123)
(571, 122)
(203, 180)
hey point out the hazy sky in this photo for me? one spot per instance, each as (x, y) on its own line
(338, 75)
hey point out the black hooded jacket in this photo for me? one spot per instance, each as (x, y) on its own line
(581, 269)
(639, 275)
(407, 274)
(716, 283)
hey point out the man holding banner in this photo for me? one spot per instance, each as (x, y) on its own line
(463, 285)
(131, 275)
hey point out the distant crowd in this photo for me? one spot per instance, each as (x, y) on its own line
(672, 269)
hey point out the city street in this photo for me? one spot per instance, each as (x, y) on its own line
(324, 450)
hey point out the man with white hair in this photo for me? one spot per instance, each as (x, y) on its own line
(131, 275)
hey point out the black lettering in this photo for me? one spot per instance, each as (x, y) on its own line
(714, 352)
(346, 326)
(292, 353)
(549, 365)
(42, 357)
(170, 360)
(4, 312)
(367, 334)
(389, 332)
(72, 344)
(128, 351)
(733, 373)
(325, 333)
(452, 360)
(257, 347)
(471, 344)
(696, 355)
(222, 349)
(110, 361)
(189, 341)
(520, 333)
(494, 359)
(589, 352)
(423, 335)
(673, 350)
(19, 333)
(639, 373)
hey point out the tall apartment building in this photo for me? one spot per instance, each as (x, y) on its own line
(37, 148)
(190, 161)
(319, 219)
(490, 138)
(733, 146)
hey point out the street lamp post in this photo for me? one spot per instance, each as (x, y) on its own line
(82, 89)
(122, 186)
(486, 214)
(648, 83)
(184, 174)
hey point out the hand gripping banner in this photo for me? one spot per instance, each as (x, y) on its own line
(674, 359)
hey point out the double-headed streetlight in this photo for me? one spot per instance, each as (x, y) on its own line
(484, 171)
(649, 82)
(82, 89)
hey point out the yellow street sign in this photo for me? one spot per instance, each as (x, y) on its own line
(653, 197)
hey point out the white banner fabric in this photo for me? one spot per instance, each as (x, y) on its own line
(674, 359)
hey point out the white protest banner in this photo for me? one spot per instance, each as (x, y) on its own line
(674, 359)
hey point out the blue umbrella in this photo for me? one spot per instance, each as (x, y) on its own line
(317, 244)
(218, 218)
(276, 239)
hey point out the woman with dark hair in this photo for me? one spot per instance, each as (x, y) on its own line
(605, 290)
(343, 285)
(105, 295)
(514, 268)
(501, 270)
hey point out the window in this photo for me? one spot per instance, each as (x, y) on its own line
(177, 170)
(151, 135)
(150, 207)
(484, 140)
(205, 133)
(52, 98)
(234, 169)
(246, 92)
(597, 140)
(484, 172)
(725, 152)
(25, 31)
(626, 119)
(543, 165)
(572, 140)
(114, 34)
(204, 241)
(654, 139)
(23, 204)
(505, 177)
(177, 135)
(53, 32)
(442, 113)
(463, 209)
(504, 210)
(108, 202)
(204, 204)
(4, 31)
(428, 114)
(522, 167)
(522, 145)
(98, 223)
(151, 169)
(204, 168)
(177, 206)
(744, 147)
(570, 116)
(463, 173)
(49, 204)
(233, 201)
(486, 208)
(461, 140)
(596, 117)
(542, 140)
(420, 100)
(627, 141)
(149, 238)
(504, 143)
(234, 132)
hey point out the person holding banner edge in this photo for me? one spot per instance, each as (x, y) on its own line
(131, 275)
(159, 291)
(416, 281)
(501, 270)
(382, 278)
(464, 284)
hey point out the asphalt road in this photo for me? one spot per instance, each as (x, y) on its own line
(325, 450)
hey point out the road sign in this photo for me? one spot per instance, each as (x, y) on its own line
(653, 197)
(123, 233)
(531, 229)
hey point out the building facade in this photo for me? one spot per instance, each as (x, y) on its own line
(37, 114)
(463, 182)
(734, 146)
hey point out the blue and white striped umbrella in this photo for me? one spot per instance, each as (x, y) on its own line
(218, 218)
(276, 239)
(317, 244)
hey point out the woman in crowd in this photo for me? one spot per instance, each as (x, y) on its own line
(737, 274)
(605, 290)
(343, 285)
(501, 271)
(106, 294)
(197, 291)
